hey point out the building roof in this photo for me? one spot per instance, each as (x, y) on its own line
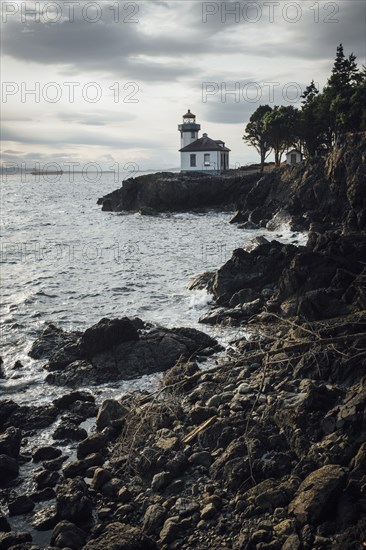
(294, 151)
(189, 115)
(204, 144)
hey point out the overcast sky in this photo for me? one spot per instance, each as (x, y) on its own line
(107, 82)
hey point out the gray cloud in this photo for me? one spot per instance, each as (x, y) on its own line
(104, 47)
(96, 118)
(78, 138)
(122, 49)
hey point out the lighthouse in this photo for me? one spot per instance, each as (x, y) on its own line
(189, 129)
(200, 154)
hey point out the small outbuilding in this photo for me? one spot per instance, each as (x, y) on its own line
(293, 157)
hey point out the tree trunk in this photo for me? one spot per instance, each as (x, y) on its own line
(263, 158)
(277, 158)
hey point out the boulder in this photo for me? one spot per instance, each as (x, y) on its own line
(73, 502)
(10, 442)
(92, 444)
(318, 494)
(150, 352)
(252, 270)
(45, 519)
(26, 417)
(51, 338)
(45, 479)
(109, 411)
(121, 536)
(46, 453)
(106, 334)
(9, 468)
(66, 402)
(20, 505)
(154, 519)
(9, 540)
(69, 432)
(68, 535)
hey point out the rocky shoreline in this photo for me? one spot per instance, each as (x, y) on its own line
(264, 450)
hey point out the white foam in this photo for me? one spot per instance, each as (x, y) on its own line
(200, 299)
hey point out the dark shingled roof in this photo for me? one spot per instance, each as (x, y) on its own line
(189, 115)
(204, 144)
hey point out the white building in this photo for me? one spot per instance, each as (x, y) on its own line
(293, 157)
(200, 154)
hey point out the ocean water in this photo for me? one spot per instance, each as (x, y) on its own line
(65, 261)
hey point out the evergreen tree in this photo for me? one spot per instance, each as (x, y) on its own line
(314, 121)
(340, 88)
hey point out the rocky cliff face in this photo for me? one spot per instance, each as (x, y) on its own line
(325, 279)
(168, 192)
(323, 193)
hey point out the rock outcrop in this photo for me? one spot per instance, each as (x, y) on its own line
(321, 194)
(169, 192)
(120, 349)
(324, 279)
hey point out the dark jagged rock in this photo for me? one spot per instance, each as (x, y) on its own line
(46, 479)
(106, 334)
(318, 494)
(203, 281)
(73, 502)
(92, 444)
(123, 537)
(10, 442)
(45, 519)
(9, 468)
(10, 540)
(4, 525)
(323, 192)
(26, 417)
(46, 453)
(52, 337)
(21, 505)
(323, 280)
(43, 495)
(252, 270)
(109, 411)
(68, 535)
(67, 401)
(70, 432)
(168, 192)
(124, 353)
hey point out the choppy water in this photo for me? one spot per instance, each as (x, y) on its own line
(65, 261)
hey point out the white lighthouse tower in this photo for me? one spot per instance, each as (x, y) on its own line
(189, 129)
(200, 154)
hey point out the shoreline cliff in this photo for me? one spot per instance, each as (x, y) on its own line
(266, 449)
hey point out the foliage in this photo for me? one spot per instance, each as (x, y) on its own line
(256, 134)
(323, 116)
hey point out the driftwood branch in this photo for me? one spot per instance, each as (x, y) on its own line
(192, 434)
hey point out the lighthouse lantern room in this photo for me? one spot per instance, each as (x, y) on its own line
(189, 129)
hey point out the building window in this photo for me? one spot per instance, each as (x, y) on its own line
(193, 134)
(293, 158)
(207, 159)
(193, 161)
